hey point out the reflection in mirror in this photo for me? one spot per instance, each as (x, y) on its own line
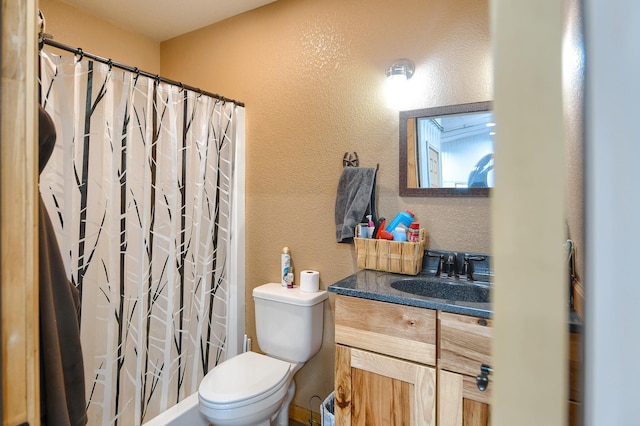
(447, 151)
(454, 151)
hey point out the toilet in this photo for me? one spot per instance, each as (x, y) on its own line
(254, 389)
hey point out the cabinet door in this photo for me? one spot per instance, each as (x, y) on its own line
(460, 403)
(464, 346)
(373, 389)
(465, 343)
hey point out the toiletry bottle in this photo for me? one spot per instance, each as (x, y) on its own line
(362, 230)
(403, 218)
(370, 227)
(400, 234)
(285, 266)
(414, 232)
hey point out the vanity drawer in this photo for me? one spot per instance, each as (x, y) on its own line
(465, 343)
(387, 328)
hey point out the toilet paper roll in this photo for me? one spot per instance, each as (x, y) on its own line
(309, 281)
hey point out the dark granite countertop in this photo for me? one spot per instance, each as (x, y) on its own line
(376, 285)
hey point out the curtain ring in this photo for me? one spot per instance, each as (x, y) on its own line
(80, 53)
(200, 92)
(110, 64)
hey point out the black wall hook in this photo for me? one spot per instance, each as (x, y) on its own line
(350, 160)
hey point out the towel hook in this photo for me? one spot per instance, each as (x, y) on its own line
(349, 160)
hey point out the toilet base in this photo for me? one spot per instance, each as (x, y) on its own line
(283, 414)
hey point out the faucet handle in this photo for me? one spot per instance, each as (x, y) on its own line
(440, 257)
(440, 265)
(474, 258)
(467, 267)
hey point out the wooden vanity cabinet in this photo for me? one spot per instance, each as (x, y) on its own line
(464, 346)
(401, 365)
(385, 363)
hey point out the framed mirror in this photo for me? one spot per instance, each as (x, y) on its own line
(447, 151)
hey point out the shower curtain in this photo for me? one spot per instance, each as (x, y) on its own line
(140, 191)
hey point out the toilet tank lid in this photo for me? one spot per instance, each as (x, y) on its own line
(293, 296)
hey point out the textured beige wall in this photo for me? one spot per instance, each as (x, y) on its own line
(311, 73)
(93, 34)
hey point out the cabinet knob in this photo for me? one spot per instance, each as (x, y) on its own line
(483, 379)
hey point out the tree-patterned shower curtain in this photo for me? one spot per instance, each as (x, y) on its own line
(139, 191)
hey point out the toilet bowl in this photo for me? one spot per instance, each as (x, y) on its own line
(247, 389)
(252, 389)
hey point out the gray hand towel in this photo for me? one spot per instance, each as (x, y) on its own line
(355, 198)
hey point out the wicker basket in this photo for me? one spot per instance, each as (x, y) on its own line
(391, 256)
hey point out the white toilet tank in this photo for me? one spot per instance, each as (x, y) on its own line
(289, 322)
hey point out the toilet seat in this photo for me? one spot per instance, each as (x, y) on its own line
(243, 380)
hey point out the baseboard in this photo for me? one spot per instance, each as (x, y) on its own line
(301, 415)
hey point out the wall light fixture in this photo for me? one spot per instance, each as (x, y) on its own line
(402, 69)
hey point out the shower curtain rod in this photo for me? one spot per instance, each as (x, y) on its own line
(82, 53)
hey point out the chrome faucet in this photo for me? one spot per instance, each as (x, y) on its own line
(452, 265)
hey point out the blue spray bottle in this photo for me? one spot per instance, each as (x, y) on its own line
(403, 218)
